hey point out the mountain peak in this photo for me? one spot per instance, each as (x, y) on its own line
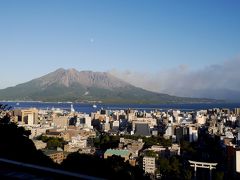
(65, 70)
(72, 70)
(69, 77)
(73, 85)
(60, 70)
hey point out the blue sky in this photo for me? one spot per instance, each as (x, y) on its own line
(37, 37)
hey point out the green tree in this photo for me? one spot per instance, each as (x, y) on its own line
(111, 168)
(188, 149)
(54, 143)
(164, 166)
(187, 174)
(43, 138)
(105, 141)
(151, 153)
(218, 175)
(16, 145)
(175, 165)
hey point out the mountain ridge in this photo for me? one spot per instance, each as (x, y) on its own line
(86, 78)
(78, 86)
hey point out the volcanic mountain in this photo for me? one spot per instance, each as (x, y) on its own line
(86, 86)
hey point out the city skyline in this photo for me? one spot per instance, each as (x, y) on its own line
(167, 41)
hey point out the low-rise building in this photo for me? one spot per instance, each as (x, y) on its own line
(56, 156)
(58, 134)
(134, 146)
(162, 151)
(38, 131)
(60, 121)
(149, 165)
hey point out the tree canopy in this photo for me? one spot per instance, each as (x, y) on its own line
(15, 143)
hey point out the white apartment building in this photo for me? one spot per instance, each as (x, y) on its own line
(88, 122)
(149, 165)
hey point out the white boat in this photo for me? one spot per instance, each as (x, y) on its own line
(94, 106)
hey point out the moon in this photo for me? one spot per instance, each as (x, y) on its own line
(92, 40)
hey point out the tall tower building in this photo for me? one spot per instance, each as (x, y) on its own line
(72, 109)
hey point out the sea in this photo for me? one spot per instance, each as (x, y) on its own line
(89, 108)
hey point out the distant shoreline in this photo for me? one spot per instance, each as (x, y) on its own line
(88, 107)
(119, 102)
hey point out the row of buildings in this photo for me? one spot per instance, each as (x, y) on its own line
(78, 128)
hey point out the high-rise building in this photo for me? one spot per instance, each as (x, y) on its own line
(237, 111)
(169, 130)
(193, 134)
(72, 109)
(115, 125)
(27, 116)
(182, 133)
(88, 122)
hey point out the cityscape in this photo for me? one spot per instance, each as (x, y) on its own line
(159, 144)
(138, 90)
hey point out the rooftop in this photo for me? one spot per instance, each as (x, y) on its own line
(142, 129)
(117, 152)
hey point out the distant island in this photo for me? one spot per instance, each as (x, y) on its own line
(86, 86)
